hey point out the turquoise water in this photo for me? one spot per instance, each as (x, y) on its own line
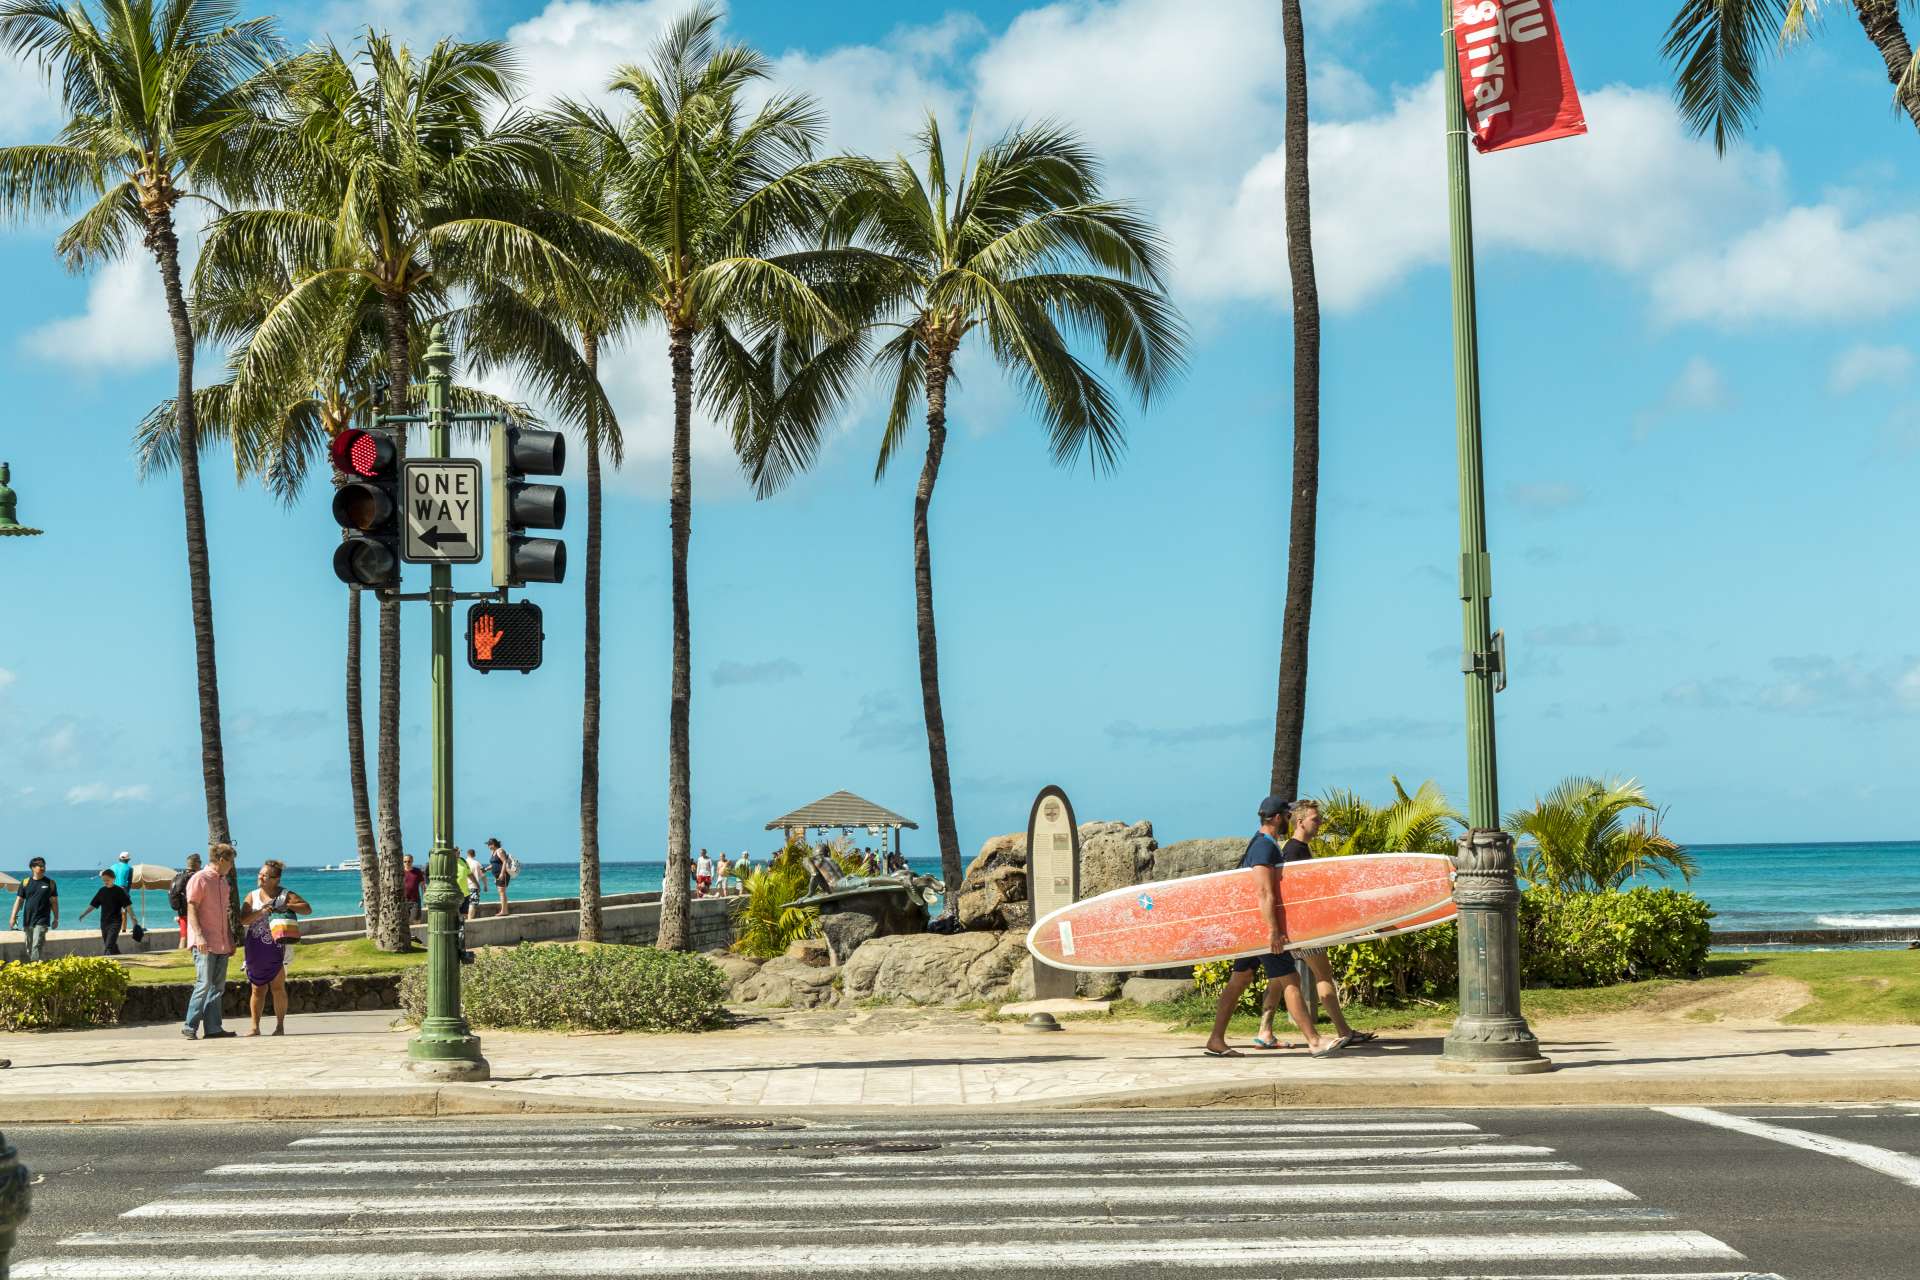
(1751, 886)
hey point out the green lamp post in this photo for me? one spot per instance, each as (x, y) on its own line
(9, 505)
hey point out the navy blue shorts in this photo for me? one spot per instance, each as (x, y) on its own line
(1277, 965)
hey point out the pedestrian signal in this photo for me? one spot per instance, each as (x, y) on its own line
(366, 506)
(519, 452)
(504, 637)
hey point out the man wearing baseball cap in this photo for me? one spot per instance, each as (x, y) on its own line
(1264, 850)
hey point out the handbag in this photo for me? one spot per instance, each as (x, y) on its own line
(285, 929)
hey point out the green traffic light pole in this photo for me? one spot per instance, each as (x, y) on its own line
(445, 1047)
(16, 1189)
(1490, 1035)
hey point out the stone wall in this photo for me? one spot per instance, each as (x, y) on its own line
(167, 1002)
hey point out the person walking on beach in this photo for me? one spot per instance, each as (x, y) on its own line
(504, 867)
(412, 878)
(1264, 850)
(113, 904)
(1305, 824)
(39, 899)
(266, 957)
(209, 933)
(475, 886)
(703, 875)
(123, 871)
(721, 870)
(177, 895)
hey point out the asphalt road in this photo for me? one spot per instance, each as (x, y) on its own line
(1798, 1192)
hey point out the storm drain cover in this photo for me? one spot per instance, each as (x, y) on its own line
(722, 1123)
(828, 1150)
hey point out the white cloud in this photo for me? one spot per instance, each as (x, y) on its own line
(1809, 264)
(572, 48)
(102, 793)
(1547, 495)
(29, 105)
(417, 23)
(877, 97)
(1699, 387)
(123, 326)
(1867, 365)
(1633, 194)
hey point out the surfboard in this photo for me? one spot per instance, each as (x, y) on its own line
(1218, 916)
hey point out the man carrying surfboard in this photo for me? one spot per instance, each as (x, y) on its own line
(1265, 850)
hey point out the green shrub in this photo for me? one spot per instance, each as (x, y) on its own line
(765, 921)
(1566, 940)
(583, 988)
(74, 991)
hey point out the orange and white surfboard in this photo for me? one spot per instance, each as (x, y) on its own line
(1218, 916)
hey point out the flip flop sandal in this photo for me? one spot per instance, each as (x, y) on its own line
(1224, 1053)
(1361, 1037)
(1258, 1043)
(1329, 1049)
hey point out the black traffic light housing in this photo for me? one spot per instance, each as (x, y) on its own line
(366, 505)
(519, 452)
(505, 636)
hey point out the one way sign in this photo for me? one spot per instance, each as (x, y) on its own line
(443, 516)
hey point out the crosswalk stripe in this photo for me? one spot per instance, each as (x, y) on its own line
(531, 1147)
(1896, 1165)
(1144, 1122)
(423, 1141)
(202, 1237)
(902, 1256)
(1050, 1159)
(1517, 1191)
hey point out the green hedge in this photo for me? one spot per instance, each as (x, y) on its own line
(1566, 940)
(74, 991)
(584, 988)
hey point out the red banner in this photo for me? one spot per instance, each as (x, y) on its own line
(1513, 74)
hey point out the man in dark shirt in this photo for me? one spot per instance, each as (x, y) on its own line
(1265, 850)
(113, 904)
(411, 878)
(40, 898)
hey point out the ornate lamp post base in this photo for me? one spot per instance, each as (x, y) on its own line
(16, 1198)
(463, 1065)
(1490, 1036)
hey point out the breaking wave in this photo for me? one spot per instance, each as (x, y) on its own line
(1870, 922)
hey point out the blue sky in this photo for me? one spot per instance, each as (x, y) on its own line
(1702, 437)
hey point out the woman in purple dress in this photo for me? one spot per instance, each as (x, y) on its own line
(266, 960)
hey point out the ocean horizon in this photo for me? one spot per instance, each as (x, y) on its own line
(1833, 884)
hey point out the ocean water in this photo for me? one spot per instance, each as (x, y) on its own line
(1751, 886)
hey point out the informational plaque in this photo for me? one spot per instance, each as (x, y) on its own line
(1053, 877)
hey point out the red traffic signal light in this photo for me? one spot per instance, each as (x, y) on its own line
(505, 637)
(362, 453)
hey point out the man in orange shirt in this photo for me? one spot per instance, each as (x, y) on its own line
(210, 934)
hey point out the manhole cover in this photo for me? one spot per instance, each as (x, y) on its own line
(828, 1150)
(721, 1123)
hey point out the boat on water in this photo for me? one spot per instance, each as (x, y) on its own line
(349, 864)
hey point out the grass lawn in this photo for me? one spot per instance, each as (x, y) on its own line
(308, 960)
(1842, 986)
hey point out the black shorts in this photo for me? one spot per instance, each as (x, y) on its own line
(1278, 965)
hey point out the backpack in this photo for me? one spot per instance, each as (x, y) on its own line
(511, 863)
(177, 894)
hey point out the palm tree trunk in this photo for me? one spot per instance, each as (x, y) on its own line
(165, 246)
(939, 367)
(357, 773)
(675, 907)
(395, 932)
(1290, 714)
(1881, 21)
(590, 701)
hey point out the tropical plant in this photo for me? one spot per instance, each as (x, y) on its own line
(1716, 48)
(1024, 250)
(1290, 712)
(1581, 838)
(765, 921)
(586, 987)
(155, 94)
(715, 206)
(390, 183)
(1423, 822)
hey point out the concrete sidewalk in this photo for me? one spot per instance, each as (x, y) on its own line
(352, 1065)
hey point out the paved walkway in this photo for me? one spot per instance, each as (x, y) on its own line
(353, 1064)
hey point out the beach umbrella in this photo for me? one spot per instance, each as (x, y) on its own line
(148, 875)
(8, 882)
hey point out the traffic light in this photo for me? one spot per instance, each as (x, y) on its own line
(519, 452)
(504, 637)
(367, 507)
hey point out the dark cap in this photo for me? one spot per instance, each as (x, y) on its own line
(1274, 806)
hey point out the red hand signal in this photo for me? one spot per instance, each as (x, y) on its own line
(486, 637)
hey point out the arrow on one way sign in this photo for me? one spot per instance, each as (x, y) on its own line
(441, 503)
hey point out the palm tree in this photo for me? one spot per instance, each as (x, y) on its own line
(1290, 715)
(1581, 840)
(707, 199)
(389, 182)
(1026, 251)
(1716, 48)
(1423, 822)
(155, 94)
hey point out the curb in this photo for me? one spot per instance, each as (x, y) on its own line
(435, 1101)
